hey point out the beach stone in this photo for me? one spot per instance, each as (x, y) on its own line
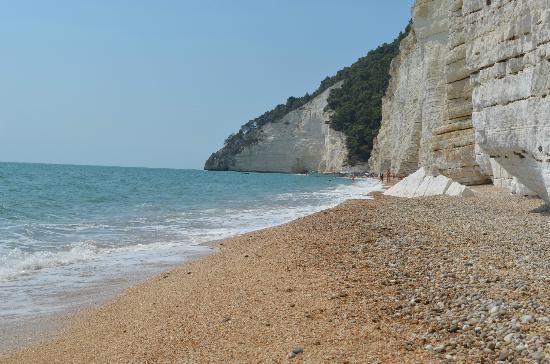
(503, 355)
(297, 350)
(537, 355)
(526, 318)
(508, 338)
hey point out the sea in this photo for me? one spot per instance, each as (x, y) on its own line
(76, 235)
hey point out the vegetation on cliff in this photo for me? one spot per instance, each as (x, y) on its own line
(357, 107)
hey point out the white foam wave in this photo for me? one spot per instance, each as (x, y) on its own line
(17, 262)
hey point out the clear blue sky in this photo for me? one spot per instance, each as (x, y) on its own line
(162, 83)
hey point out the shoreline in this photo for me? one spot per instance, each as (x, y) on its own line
(34, 329)
(345, 284)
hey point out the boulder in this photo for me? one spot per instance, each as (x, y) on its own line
(421, 184)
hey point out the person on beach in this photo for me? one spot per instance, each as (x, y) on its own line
(381, 176)
(388, 176)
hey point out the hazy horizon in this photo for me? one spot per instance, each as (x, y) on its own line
(162, 84)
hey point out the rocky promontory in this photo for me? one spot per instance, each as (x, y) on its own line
(301, 141)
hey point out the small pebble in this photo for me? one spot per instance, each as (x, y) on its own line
(526, 318)
(295, 351)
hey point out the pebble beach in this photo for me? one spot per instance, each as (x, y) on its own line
(435, 279)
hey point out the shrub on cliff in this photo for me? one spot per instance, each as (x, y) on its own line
(357, 105)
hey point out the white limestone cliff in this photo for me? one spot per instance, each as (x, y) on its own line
(501, 178)
(413, 105)
(426, 113)
(301, 141)
(468, 99)
(468, 95)
(508, 55)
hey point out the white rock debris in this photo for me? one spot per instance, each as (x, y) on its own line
(421, 184)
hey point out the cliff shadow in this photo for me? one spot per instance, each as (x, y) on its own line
(543, 209)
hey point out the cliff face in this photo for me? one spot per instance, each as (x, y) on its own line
(413, 105)
(300, 141)
(427, 110)
(468, 96)
(508, 55)
(453, 142)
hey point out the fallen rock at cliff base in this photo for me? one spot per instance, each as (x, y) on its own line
(457, 189)
(421, 184)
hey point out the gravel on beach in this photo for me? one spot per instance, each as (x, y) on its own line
(435, 279)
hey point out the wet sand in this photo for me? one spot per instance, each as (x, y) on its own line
(29, 329)
(385, 280)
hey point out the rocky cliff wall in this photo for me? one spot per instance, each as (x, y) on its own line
(508, 55)
(413, 105)
(453, 141)
(300, 141)
(397, 143)
(427, 110)
(493, 59)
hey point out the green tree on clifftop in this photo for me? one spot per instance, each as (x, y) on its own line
(357, 105)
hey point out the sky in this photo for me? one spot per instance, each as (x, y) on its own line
(162, 83)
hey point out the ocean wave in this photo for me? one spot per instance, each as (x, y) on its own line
(169, 231)
(57, 236)
(16, 262)
(357, 190)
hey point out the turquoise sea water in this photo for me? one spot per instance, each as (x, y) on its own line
(69, 233)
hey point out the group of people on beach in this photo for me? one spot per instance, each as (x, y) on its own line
(389, 175)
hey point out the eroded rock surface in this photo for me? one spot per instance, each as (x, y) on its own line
(426, 120)
(301, 141)
(469, 94)
(413, 105)
(508, 55)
